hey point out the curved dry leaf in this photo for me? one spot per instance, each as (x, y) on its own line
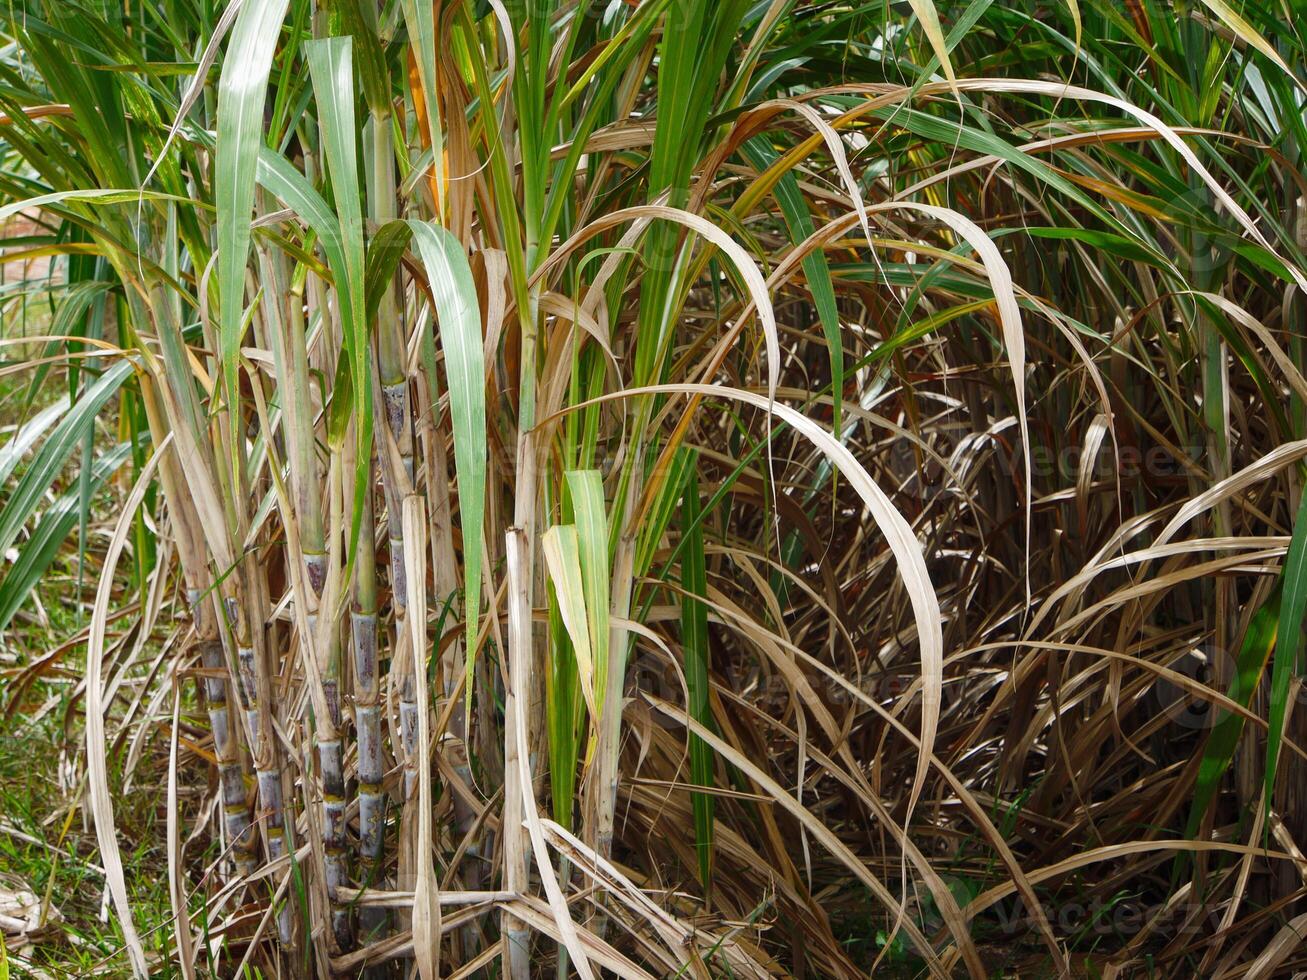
(1268, 465)
(97, 762)
(1112, 852)
(819, 830)
(898, 535)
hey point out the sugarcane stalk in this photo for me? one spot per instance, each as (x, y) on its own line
(283, 319)
(290, 351)
(255, 689)
(316, 589)
(218, 526)
(330, 760)
(408, 727)
(231, 775)
(367, 718)
(408, 705)
(404, 678)
(395, 438)
(291, 362)
(327, 728)
(379, 160)
(167, 407)
(246, 602)
(226, 746)
(514, 930)
(516, 936)
(327, 734)
(395, 449)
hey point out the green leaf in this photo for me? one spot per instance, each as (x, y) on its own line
(1289, 639)
(359, 22)
(385, 250)
(459, 314)
(664, 508)
(90, 196)
(332, 73)
(419, 18)
(51, 531)
(1221, 744)
(587, 489)
(929, 18)
(563, 559)
(1118, 246)
(54, 452)
(67, 322)
(26, 436)
(242, 89)
(816, 269)
(694, 642)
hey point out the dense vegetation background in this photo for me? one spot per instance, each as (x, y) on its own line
(664, 487)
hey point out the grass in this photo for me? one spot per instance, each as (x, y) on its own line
(658, 488)
(45, 843)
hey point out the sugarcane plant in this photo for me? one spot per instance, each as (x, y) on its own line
(501, 361)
